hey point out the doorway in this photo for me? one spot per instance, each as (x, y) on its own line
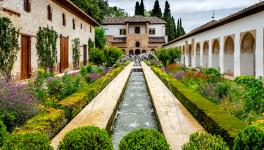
(64, 62)
(25, 57)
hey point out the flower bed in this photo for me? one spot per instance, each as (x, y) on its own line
(53, 120)
(213, 118)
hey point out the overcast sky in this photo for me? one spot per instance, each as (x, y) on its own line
(193, 12)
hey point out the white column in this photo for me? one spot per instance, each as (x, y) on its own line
(259, 52)
(201, 54)
(237, 55)
(194, 56)
(210, 54)
(221, 55)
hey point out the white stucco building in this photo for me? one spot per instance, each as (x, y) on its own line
(234, 44)
(136, 34)
(66, 19)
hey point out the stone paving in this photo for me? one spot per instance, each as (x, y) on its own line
(99, 111)
(176, 122)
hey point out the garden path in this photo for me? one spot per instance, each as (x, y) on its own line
(176, 122)
(100, 110)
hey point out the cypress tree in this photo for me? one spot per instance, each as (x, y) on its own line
(174, 30)
(137, 7)
(141, 8)
(178, 29)
(182, 31)
(167, 17)
(156, 11)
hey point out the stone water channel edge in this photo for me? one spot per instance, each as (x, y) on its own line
(99, 112)
(174, 120)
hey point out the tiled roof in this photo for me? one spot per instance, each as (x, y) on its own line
(157, 40)
(133, 19)
(80, 13)
(213, 24)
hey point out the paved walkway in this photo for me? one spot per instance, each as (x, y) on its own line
(176, 122)
(100, 109)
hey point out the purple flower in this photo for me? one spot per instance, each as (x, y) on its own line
(179, 75)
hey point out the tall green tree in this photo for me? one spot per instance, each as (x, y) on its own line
(156, 11)
(142, 8)
(99, 37)
(170, 28)
(137, 7)
(8, 47)
(182, 31)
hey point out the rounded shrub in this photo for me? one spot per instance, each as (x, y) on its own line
(251, 138)
(28, 141)
(144, 139)
(205, 141)
(86, 138)
(3, 133)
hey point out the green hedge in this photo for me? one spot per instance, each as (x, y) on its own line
(28, 141)
(49, 122)
(52, 121)
(214, 119)
(144, 139)
(86, 138)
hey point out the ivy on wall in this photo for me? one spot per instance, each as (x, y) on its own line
(47, 48)
(8, 47)
(76, 52)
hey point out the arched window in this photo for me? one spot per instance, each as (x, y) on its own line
(73, 24)
(137, 44)
(49, 13)
(63, 19)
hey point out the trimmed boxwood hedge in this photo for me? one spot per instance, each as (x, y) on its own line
(28, 141)
(251, 138)
(52, 121)
(144, 139)
(205, 141)
(214, 119)
(86, 138)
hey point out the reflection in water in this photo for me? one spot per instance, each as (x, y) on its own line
(135, 110)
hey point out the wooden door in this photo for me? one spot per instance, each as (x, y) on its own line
(25, 57)
(64, 48)
(84, 55)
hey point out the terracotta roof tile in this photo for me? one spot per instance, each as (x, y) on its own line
(133, 19)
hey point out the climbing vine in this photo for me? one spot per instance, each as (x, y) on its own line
(8, 47)
(76, 52)
(47, 48)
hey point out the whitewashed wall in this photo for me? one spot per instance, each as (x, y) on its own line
(159, 30)
(29, 22)
(253, 22)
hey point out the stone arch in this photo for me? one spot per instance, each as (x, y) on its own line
(215, 54)
(247, 54)
(144, 51)
(137, 52)
(205, 54)
(131, 52)
(198, 52)
(229, 49)
(153, 50)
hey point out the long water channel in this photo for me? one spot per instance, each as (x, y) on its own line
(135, 109)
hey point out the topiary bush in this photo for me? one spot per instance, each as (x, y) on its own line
(112, 54)
(86, 138)
(144, 139)
(3, 133)
(251, 138)
(205, 141)
(27, 141)
(96, 56)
